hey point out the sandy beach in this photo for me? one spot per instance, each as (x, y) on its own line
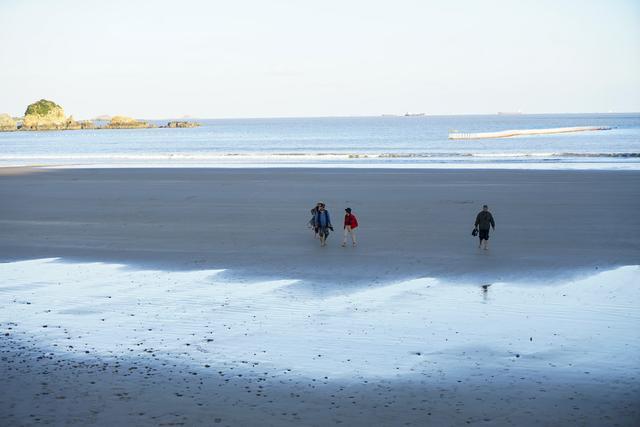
(198, 296)
(413, 223)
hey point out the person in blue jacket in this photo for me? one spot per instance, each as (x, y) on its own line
(322, 223)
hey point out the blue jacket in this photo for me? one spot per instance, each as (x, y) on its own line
(322, 219)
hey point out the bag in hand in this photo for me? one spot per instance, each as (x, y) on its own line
(474, 233)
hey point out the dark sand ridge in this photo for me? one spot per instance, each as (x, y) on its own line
(414, 223)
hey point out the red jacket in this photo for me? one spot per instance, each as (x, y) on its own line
(350, 219)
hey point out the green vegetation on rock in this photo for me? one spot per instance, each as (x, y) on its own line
(44, 115)
(42, 108)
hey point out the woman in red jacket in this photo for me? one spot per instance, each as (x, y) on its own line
(350, 225)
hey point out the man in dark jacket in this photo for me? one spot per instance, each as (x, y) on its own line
(484, 221)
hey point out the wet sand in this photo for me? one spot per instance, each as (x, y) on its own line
(94, 343)
(550, 226)
(43, 388)
(413, 223)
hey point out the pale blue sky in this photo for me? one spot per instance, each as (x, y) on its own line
(156, 59)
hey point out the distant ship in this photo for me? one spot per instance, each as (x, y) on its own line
(509, 113)
(413, 114)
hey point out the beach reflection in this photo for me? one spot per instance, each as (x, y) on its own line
(205, 318)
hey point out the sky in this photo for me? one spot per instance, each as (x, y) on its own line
(295, 58)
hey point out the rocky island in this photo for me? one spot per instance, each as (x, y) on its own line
(181, 124)
(47, 115)
(123, 122)
(7, 123)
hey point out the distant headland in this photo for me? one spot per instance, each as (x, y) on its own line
(47, 115)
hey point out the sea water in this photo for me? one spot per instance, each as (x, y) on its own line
(387, 141)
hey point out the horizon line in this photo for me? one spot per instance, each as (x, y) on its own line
(388, 115)
(381, 115)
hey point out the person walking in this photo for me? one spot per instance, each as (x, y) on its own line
(350, 225)
(312, 221)
(322, 223)
(484, 221)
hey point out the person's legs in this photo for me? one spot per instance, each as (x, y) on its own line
(353, 235)
(324, 233)
(344, 235)
(485, 239)
(483, 235)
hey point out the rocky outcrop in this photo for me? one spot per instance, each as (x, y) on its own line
(181, 124)
(71, 124)
(47, 115)
(44, 115)
(123, 122)
(7, 123)
(87, 124)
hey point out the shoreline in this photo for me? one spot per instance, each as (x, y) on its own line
(503, 165)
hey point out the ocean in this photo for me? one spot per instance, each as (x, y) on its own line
(385, 141)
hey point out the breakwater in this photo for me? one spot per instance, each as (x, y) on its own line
(523, 132)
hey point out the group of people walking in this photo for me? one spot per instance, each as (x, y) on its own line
(321, 223)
